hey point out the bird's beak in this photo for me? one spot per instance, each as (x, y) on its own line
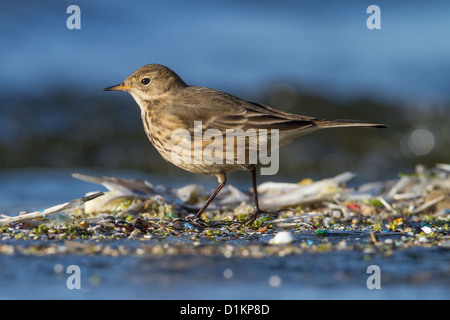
(118, 87)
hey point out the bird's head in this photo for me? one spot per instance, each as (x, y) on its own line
(150, 82)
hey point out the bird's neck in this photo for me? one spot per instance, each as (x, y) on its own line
(150, 103)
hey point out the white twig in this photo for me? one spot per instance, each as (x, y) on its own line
(428, 204)
(386, 204)
(45, 212)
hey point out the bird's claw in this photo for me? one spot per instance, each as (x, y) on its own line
(258, 211)
(255, 215)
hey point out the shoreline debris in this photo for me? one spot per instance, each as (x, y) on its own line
(324, 215)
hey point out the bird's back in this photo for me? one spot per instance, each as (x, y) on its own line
(213, 117)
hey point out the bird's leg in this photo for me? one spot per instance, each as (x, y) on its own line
(222, 178)
(257, 210)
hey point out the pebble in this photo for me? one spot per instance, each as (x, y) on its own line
(426, 229)
(444, 244)
(423, 239)
(282, 237)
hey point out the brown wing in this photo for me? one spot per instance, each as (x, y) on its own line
(250, 123)
(219, 110)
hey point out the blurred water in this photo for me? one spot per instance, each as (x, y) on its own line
(237, 46)
(409, 274)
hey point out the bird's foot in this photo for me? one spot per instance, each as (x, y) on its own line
(255, 215)
(196, 220)
(258, 211)
(201, 224)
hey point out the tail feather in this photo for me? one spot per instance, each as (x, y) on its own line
(343, 123)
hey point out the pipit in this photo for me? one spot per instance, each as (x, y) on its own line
(168, 106)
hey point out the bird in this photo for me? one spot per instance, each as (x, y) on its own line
(168, 105)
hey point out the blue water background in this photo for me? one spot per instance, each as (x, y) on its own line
(237, 46)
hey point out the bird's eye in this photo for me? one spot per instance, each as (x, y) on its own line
(145, 81)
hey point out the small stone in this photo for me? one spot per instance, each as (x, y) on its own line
(282, 237)
(426, 229)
